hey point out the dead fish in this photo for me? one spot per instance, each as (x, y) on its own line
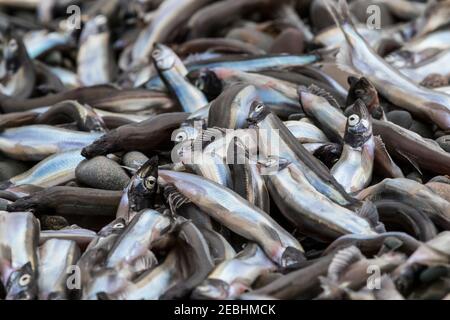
(55, 259)
(434, 65)
(96, 65)
(85, 117)
(17, 75)
(218, 45)
(354, 169)
(19, 236)
(308, 209)
(238, 215)
(306, 132)
(144, 136)
(165, 23)
(362, 89)
(131, 253)
(52, 171)
(82, 237)
(424, 199)
(36, 142)
(39, 43)
(189, 97)
(235, 276)
(140, 192)
(398, 89)
(68, 200)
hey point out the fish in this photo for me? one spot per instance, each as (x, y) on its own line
(36, 142)
(357, 55)
(235, 276)
(309, 210)
(39, 43)
(140, 192)
(82, 237)
(189, 97)
(354, 169)
(306, 132)
(19, 238)
(167, 19)
(95, 62)
(144, 136)
(17, 74)
(52, 171)
(131, 251)
(55, 258)
(238, 215)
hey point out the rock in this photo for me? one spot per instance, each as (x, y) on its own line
(421, 129)
(401, 118)
(134, 159)
(11, 168)
(444, 142)
(102, 173)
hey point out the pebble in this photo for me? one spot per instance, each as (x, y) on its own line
(102, 173)
(11, 168)
(444, 142)
(421, 129)
(401, 118)
(134, 159)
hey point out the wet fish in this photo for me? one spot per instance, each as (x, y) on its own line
(55, 259)
(398, 89)
(19, 236)
(36, 142)
(354, 169)
(235, 276)
(238, 215)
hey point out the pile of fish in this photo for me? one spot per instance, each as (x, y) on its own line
(201, 149)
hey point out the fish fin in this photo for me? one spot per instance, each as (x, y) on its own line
(343, 61)
(369, 212)
(174, 198)
(145, 262)
(410, 160)
(331, 288)
(131, 170)
(342, 260)
(381, 149)
(318, 91)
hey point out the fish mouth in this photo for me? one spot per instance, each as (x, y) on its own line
(292, 257)
(211, 289)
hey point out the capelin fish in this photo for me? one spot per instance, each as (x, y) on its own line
(17, 75)
(67, 77)
(407, 190)
(227, 45)
(204, 161)
(333, 122)
(55, 259)
(306, 132)
(152, 284)
(354, 169)
(436, 17)
(213, 85)
(84, 116)
(144, 136)
(362, 89)
(131, 253)
(105, 97)
(98, 247)
(195, 260)
(311, 211)
(167, 20)
(238, 215)
(248, 182)
(407, 145)
(82, 237)
(231, 108)
(19, 236)
(36, 142)
(235, 276)
(68, 200)
(244, 63)
(39, 43)
(140, 192)
(271, 127)
(52, 171)
(398, 89)
(96, 64)
(434, 65)
(189, 97)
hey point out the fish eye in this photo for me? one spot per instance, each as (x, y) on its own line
(24, 280)
(118, 225)
(156, 53)
(13, 44)
(353, 120)
(181, 137)
(359, 92)
(259, 108)
(150, 182)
